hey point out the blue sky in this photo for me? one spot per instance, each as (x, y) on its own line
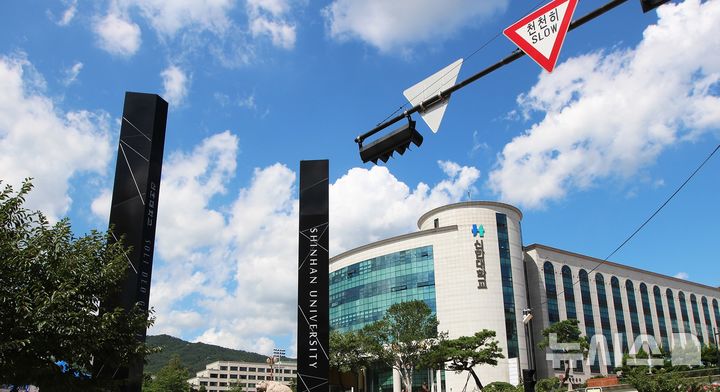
(587, 152)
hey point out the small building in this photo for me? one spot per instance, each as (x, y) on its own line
(223, 375)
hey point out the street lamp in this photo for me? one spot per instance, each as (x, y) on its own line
(528, 374)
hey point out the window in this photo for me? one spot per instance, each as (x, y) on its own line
(252, 377)
(708, 321)
(243, 369)
(235, 376)
(661, 318)
(671, 310)
(261, 377)
(569, 293)
(436, 223)
(605, 317)
(588, 314)
(684, 313)
(223, 368)
(213, 375)
(243, 377)
(507, 285)
(551, 293)
(632, 304)
(252, 370)
(619, 314)
(223, 375)
(233, 368)
(696, 317)
(645, 299)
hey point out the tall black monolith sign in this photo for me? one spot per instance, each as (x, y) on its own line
(133, 214)
(313, 268)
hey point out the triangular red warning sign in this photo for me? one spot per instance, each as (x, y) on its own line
(541, 34)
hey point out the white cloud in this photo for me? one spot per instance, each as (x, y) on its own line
(39, 140)
(395, 206)
(117, 35)
(101, 205)
(169, 17)
(682, 275)
(611, 114)
(72, 73)
(175, 85)
(281, 33)
(235, 264)
(391, 25)
(69, 14)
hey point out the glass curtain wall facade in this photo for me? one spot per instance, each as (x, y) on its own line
(661, 318)
(362, 292)
(551, 293)
(507, 285)
(619, 314)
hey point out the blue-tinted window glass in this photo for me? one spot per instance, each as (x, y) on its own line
(619, 314)
(361, 293)
(696, 317)
(684, 313)
(708, 321)
(605, 316)
(632, 306)
(661, 318)
(716, 310)
(551, 293)
(673, 312)
(588, 314)
(645, 299)
(507, 283)
(569, 293)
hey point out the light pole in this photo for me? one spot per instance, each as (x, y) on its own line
(529, 373)
(717, 345)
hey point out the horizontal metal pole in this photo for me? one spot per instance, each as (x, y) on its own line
(445, 94)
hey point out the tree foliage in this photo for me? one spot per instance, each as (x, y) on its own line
(171, 378)
(51, 287)
(405, 335)
(348, 352)
(465, 352)
(565, 333)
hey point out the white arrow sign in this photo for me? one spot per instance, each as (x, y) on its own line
(430, 87)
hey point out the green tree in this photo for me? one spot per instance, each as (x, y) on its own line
(549, 384)
(499, 386)
(407, 333)
(348, 352)
(293, 384)
(466, 352)
(565, 332)
(171, 378)
(235, 387)
(51, 287)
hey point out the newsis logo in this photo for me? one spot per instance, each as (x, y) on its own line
(479, 231)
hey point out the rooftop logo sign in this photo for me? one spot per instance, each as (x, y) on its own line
(478, 231)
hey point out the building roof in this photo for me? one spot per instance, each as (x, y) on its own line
(463, 204)
(613, 264)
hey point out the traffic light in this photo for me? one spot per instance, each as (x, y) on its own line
(396, 141)
(649, 5)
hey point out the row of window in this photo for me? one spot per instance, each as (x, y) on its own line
(602, 303)
(257, 370)
(507, 285)
(246, 377)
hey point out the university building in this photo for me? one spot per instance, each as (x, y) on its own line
(223, 375)
(467, 262)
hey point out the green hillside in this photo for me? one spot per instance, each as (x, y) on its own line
(193, 355)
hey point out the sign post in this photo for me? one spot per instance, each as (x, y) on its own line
(541, 34)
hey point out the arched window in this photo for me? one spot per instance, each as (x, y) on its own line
(684, 313)
(696, 317)
(632, 305)
(551, 293)
(588, 314)
(645, 299)
(671, 309)
(708, 321)
(569, 293)
(716, 310)
(619, 314)
(605, 317)
(661, 318)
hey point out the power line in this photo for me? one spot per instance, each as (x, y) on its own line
(646, 221)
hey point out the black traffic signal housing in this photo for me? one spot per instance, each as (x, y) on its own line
(396, 141)
(649, 5)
